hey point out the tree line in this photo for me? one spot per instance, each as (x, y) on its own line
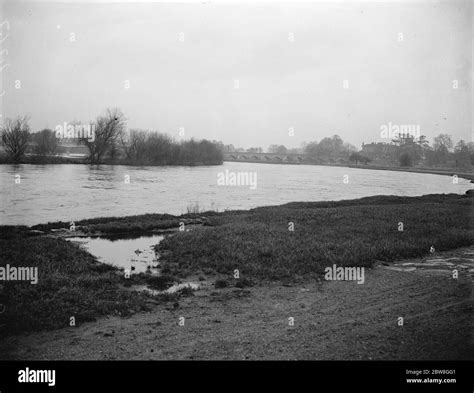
(407, 150)
(111, 143)
(403, 150)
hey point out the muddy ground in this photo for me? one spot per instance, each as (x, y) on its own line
(333, 320)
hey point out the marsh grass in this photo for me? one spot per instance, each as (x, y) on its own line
(194, 208)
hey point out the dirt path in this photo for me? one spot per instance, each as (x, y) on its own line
(332, 320)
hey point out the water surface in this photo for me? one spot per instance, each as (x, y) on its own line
(126, 253)
(49, 193)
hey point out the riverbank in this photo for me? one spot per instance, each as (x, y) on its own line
(60, 160)
(446, 172)
(289, 244)
(461, 173)
(334, 320)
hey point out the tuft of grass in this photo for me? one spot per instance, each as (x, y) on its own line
(168, 297)
(221, 284)
(194, 208)
(243, 282)
(160, 283)
(186, 291)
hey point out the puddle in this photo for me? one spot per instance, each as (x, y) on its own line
(174, 288)
(177, 287)
(137, 252)
(130, 252)
(437, 266)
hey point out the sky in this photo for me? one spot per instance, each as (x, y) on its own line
(248, 74)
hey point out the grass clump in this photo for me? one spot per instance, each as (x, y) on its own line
(186, 291)
(160, 283)
(243, 282)
(221, 284)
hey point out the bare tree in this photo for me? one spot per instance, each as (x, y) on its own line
(45, 141)
(134, 145)
(15, 136)
(159, 148)
(109, 129)
(442, 144)
(443, 141)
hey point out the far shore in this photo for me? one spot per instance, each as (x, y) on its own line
(432, 171)
(462, 173)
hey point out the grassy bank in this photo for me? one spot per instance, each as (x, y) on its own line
(71, 283)
(356, 233)
(258, 242)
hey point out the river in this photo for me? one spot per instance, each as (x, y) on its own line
(33, 194)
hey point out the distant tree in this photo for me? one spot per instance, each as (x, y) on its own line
(461, 147)
(408, 148)
(329, 148)
(159, 148)
(15, 135)
(202, 152)
(357, 157)
(109, 129)
(209, 153)
(134, 145)
(229, 148)
(405, 159)
(443, 142)
(347, 147)
(442, 145)
(45, 141)
(153, 148)
(295, 150)
(219, 145)
(423, 142)
(311, 149)
(462, 154)
(277, 149)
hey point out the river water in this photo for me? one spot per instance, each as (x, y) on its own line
(33, 194)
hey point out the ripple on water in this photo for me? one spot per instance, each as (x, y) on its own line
(80, 192)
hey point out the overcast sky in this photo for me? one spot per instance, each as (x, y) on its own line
(182, 62)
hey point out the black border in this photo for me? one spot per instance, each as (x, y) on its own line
(235, 376)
